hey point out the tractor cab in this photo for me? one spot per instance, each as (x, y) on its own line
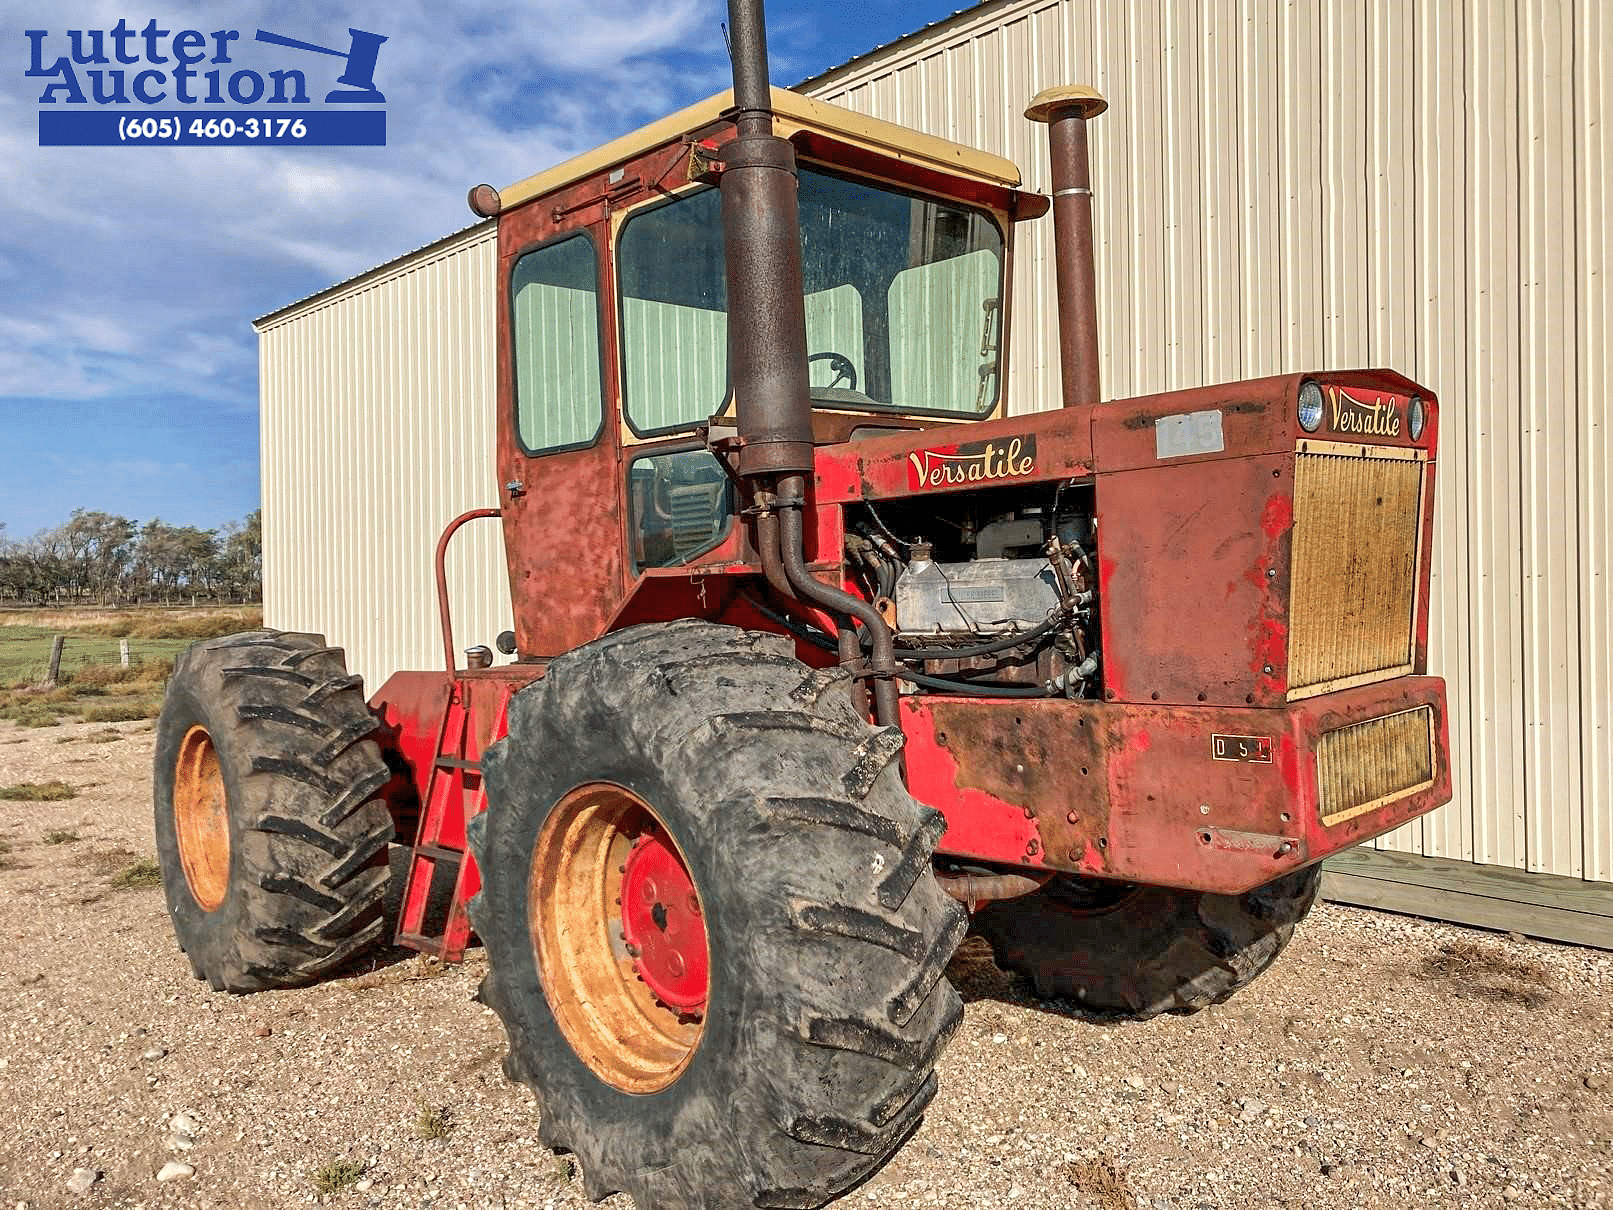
(613, 333)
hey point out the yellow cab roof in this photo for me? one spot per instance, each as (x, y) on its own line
(792, 113)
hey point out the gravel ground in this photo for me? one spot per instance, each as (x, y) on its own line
(1384, 1062)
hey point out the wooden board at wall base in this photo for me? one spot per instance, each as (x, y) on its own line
(1547, 906)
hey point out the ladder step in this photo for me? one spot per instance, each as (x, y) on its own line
(438, 853)
(415, 941)
(453, 762)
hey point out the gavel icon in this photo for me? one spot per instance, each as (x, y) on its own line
(360, 73)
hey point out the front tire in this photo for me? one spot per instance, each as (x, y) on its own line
(1137, 951)
(707, 764)
(270, 836)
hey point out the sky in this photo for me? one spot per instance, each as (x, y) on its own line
(129, 276)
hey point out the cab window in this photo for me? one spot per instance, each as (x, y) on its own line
(903, 304)
(559, 395)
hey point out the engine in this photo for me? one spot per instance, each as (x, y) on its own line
(991, 592)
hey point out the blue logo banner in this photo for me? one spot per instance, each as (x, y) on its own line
(103, 87)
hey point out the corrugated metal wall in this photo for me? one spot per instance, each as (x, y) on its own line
(1333, 183)
(377, 421)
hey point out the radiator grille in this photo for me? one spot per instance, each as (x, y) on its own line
(1354, 572)
(1367, 764)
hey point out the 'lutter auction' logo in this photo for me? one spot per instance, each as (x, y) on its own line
(104, 87)
(977, 462)
(1379, 418)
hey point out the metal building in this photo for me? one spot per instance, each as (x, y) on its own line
(1281, 184)
(376, 410)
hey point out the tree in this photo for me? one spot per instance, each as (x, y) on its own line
(241, 557)
(99, 546)
(34, 569)
(105, 556)
(174, 559)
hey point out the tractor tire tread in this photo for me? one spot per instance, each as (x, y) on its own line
(308, 834)
(848, 1066)
(1155, 951)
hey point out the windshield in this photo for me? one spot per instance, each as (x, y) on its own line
(903, 304)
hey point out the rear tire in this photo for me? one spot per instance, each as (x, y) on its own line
(1140, 951)
(272, 842)
(810, 1059)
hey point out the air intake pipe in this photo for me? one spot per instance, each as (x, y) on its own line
(1066, 110)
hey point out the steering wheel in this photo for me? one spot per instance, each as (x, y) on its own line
(844, 371)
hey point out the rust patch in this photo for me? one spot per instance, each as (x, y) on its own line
(1051, 763)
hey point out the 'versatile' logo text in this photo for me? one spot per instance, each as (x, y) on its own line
(103, 86)
(976, 462)
(1378, 418)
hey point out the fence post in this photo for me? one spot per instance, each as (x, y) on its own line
(56, 646)
(123, 652)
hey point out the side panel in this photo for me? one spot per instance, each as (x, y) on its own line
(411, 706)
(1194, 609)
(1209, 798)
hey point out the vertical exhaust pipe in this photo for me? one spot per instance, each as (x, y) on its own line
(767, 355)
(762, 238)
(1066, 110)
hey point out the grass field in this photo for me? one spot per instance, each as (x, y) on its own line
(94, 686)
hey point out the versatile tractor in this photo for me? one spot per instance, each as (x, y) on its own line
(822, 658)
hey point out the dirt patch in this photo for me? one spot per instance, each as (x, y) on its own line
(43, 791)
(1363, 1073)
(106, 862)
(1484, 970)
(1102, 1182)
(137, 875)
(338, 1175)
(420, 968)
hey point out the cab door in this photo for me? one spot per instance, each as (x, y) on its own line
(559, 445)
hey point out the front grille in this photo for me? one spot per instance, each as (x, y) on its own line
(1365, 765)
(1354, 573)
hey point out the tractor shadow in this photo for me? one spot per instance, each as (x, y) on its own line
(976, 977)
(380, 964)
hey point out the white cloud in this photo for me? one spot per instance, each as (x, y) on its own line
(138, 270)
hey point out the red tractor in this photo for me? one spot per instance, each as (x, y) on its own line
(821, 659)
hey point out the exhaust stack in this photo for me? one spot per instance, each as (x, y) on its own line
(762, 237)
(1066, 110)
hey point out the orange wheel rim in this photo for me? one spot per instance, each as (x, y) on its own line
(599, 983)
(201, 819)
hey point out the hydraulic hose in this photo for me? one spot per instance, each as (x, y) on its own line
(946, 686)
(882, 655)
(822, 641)
(909, 654)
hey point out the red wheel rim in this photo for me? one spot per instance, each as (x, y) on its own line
(663, 925)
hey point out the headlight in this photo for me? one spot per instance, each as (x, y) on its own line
(1310, 406)
(1416, 417)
